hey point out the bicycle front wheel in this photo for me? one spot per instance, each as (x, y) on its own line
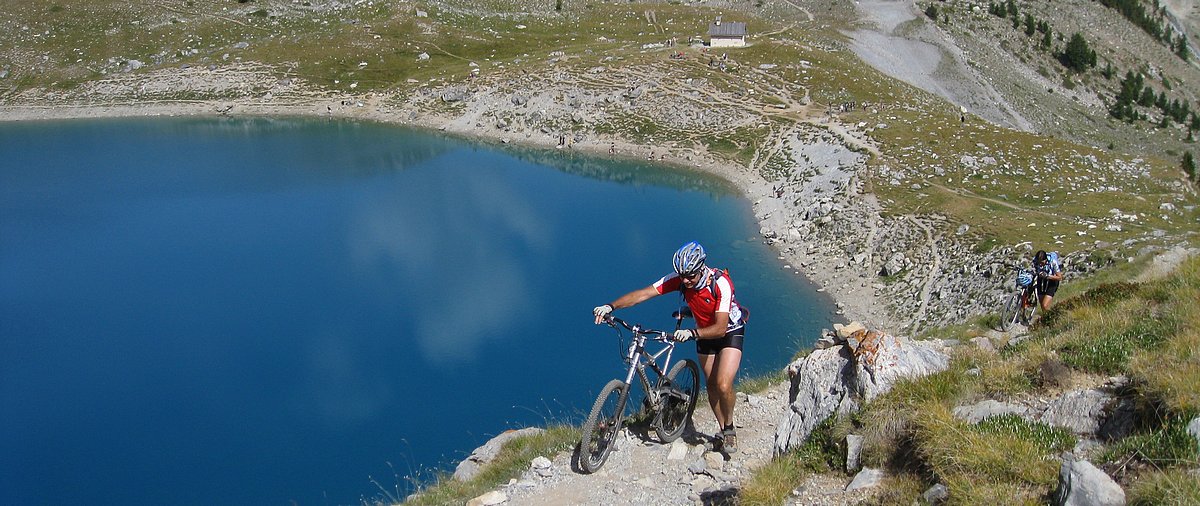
(1027, 311)
(602, 425)
(1010, 312)
(677, 400)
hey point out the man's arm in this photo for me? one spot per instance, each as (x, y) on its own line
(635, 297)
(632, 298)
(717, 329)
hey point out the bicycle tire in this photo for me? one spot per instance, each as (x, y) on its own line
(1027, 313)
(1010, 312)
(602, 425)
(676, 407)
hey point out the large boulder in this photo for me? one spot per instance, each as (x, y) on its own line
(1080, 411)
(470, 467)
(839, 378)
(820, 387)
(883, 359)
(1082, 484)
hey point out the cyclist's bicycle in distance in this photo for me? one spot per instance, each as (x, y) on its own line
(1022, 304)
(671, 400)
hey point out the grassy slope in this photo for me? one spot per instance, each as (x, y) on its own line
(1148, 332)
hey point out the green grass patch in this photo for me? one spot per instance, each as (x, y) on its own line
(513, 459)
(760, 384)
(1049, 440)
(774, 481)
(1108, 350)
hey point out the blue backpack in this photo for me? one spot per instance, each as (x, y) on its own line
(1052, 265)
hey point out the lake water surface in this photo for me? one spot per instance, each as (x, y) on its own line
(269, 311)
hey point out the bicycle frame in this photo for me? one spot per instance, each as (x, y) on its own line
(637, 352)
(1020, 305)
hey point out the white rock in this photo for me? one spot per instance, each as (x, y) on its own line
(866, 478)
(489, 499)
(679, 450)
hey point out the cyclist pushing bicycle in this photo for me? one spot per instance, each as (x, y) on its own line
(720, 327)
(1049, 274)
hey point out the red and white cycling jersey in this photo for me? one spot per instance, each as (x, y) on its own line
(705, 302)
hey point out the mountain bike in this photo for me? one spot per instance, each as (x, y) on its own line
(1022, 304)
(670, 401)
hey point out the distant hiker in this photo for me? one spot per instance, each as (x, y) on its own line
(720, 327)
(1049, 274)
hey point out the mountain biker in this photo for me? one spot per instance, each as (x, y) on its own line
(720, 327)
(1049, 273)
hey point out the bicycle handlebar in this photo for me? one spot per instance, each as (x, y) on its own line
(635, 328)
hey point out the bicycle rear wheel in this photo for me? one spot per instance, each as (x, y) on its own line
(602, 425)
(1010, 312)
(677, 400)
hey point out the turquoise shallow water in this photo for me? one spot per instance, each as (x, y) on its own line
(262, 311)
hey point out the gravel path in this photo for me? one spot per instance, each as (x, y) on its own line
(643, 471)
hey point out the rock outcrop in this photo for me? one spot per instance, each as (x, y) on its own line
(471, 466)
(858, 368)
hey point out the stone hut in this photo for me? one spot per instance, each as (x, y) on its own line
(726, 34)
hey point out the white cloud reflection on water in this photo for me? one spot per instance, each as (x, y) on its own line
(457, 245)
(341, 390)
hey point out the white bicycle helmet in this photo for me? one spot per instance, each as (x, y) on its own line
(689, 259)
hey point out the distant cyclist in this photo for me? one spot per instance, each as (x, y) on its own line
(720, 322)
(1049, 274)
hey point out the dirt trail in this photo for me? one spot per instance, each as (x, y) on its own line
(933, 275)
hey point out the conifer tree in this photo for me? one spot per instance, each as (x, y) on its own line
(1147, 98)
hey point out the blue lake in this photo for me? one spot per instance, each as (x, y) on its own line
(269, 311)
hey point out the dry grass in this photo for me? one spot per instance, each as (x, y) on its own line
(976, 464)
(1173, 372)
(1175, 486)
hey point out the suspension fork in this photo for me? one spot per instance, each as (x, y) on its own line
(634, 357)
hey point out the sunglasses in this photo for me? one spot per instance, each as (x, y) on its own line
(692, 276)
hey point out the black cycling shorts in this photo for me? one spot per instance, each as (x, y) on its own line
(1047, 287)
(732, 339)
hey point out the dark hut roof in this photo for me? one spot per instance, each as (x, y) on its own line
(726, 29)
